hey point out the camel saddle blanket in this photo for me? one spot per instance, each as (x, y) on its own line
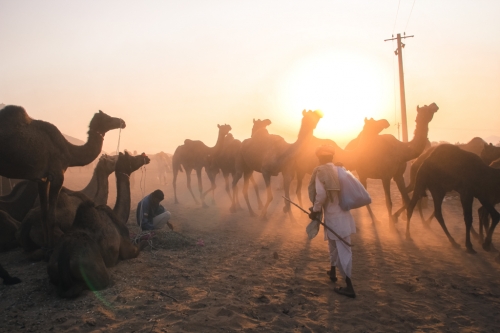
(328, 176)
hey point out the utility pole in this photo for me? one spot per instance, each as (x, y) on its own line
(399, 53)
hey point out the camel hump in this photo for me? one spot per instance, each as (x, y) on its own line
(13, 115)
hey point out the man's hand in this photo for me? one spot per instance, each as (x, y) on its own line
(313, 215)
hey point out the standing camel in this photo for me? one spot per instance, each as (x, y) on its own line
(225, 161)
(449, 168)
(193, 154)
(307, 160)
(36, 150)
(385, 157)
(98, 239)
(270, 155)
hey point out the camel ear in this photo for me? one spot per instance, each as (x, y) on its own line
(304, 112)
(218, 126)
(418, 108)
(100, 111)
(366, 120)
(254, 120)
(120, 154)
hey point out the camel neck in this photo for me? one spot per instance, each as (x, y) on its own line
(294, 148)
(98, 187)
(85, 154)
(218, 145)
(419, 141)
(122, 206)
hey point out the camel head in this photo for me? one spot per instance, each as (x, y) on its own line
(127, 163)
(260, 125)
(224, 129)
(107, 163)
(374, 127)
(490, 153)
(310, 120)
(102, 123)
(425, 113)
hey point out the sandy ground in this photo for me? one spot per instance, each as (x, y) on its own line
(235, 273)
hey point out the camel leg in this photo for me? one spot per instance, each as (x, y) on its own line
(174, 184)
(236, 177)
(7, 279)
(228, 189)
(409, 212)
(388, 202)
(54, 232)
(200, 189)
(43, 193)
(212, 188)
(246, 178)
(484, 222)
(372, 216)
(287, 180)
(438, 197)
(298, 191)
(400, 182)
(466, 201)
(188, 177)
(235, 193)
(495, 217)
(256, 189)
(267, 180)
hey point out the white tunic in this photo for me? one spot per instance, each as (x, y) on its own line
(337, 219)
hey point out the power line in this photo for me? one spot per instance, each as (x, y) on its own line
(396, 19)
(409, 15)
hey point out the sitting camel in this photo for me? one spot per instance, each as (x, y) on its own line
(449, 168)
(36, 150)
(7, 279)
(194, 155)
(30, 234)
(385, 157)
(270, 155)
(307, 160)
(20, 200)
(98, 239)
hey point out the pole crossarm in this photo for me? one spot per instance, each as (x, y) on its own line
(395, 38)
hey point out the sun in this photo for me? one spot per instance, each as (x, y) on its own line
(345, 86)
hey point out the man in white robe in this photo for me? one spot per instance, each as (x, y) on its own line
(324, 193)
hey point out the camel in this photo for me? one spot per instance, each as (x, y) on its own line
(450, 168)
(225, 161)
(475, 145)
(30, 235)
(270, 155)
(20, 200)
(8, 229)
(194, 155)
(307, 160)
(164, 165)
(36, 150)
(385, 157)
(490, 153)
(98, 239)
(7, 279)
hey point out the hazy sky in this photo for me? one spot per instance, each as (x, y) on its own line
(175, 69)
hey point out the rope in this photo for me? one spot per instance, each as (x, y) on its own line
(119, 137)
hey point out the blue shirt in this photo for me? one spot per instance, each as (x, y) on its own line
(145, 213)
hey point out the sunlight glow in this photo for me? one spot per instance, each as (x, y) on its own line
(347, 87)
